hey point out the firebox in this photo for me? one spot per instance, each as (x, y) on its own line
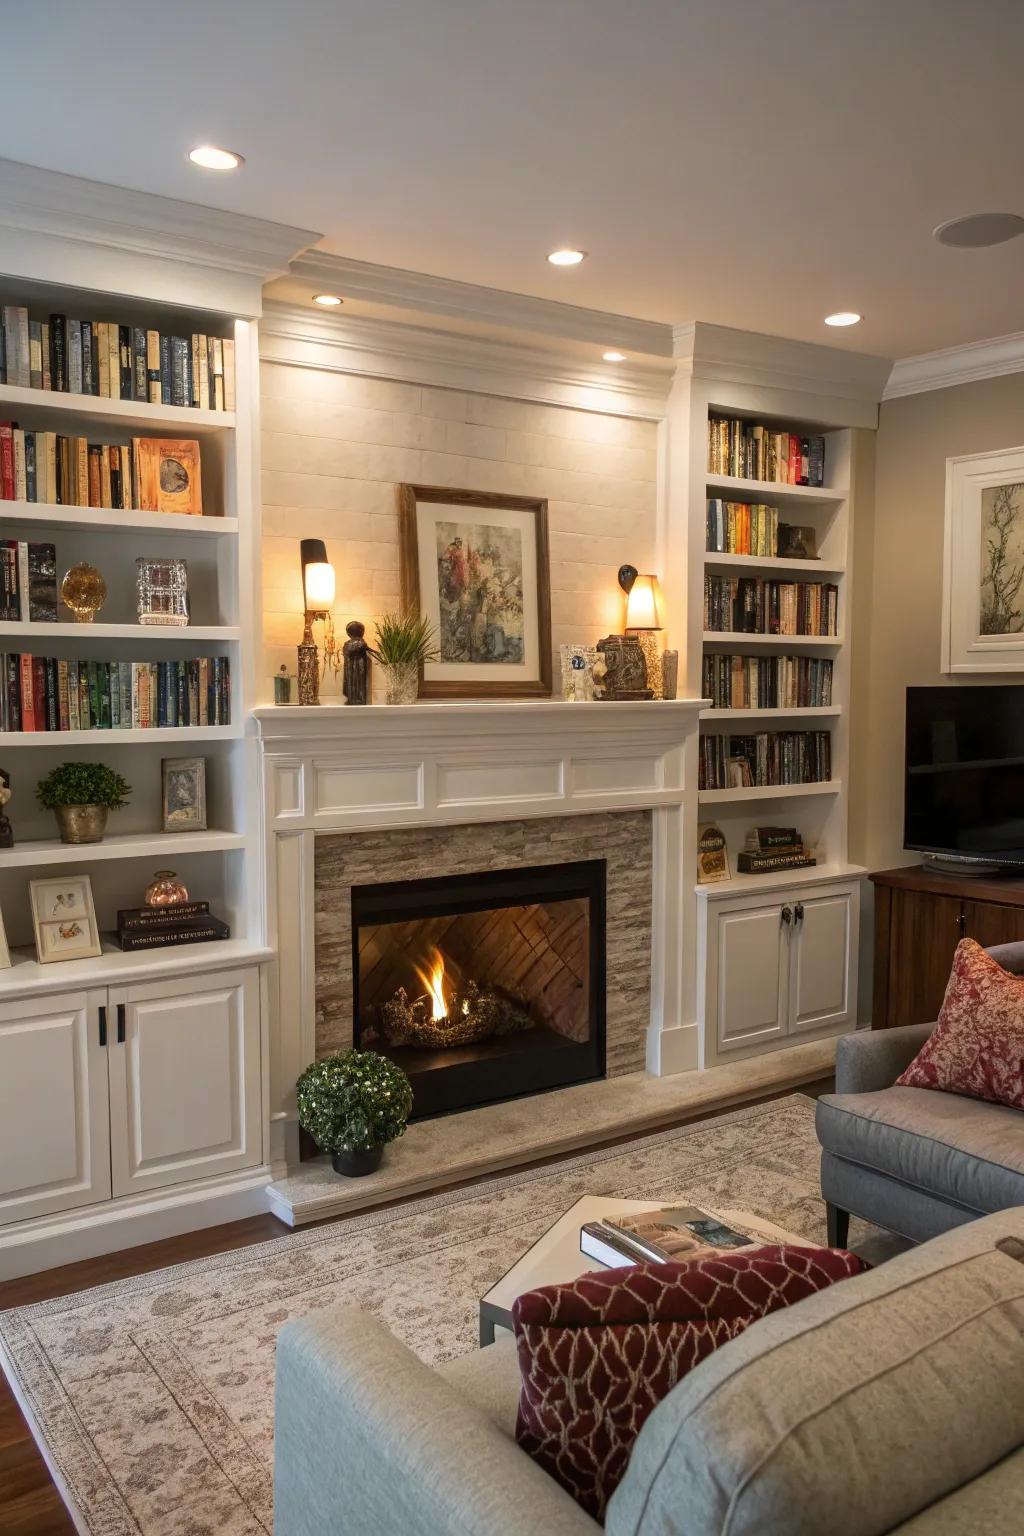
(483, 987)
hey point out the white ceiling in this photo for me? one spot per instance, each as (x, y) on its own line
(753, 163)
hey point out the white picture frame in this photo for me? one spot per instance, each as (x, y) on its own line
(64, 919)
(983, 564)
(5, 953)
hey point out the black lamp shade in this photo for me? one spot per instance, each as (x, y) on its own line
(312, 552)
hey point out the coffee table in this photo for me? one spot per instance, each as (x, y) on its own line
(555, 1258)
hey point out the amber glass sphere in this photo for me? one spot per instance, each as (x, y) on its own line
(84, 591)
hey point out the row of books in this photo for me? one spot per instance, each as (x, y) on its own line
(767, 759)
(48, 693)
(146, 475)
(767, 682)
(742, 528)
(758, 452)
(187, 922)
(751, 605)
(28, 582)
(116, 362)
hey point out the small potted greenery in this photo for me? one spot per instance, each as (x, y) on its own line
(405, 640)
(80, 796)
(352, 1104)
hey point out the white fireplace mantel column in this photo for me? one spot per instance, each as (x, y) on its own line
(335, 769)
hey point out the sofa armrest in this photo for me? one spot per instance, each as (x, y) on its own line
(368, 1438)
(874, 1058)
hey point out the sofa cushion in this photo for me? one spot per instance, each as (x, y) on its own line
(850, 1413)
(977, 1047)
(965, 1151)
(489, 1379)
(596, 1355)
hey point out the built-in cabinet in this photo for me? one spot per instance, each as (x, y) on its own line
(778, 966)
(114, 1090)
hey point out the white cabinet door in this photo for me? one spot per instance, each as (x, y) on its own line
(823, 955)
(54, 1123)
(184, 1079)
(748, 983)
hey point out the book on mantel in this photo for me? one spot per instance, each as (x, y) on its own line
(672, 1234)
(188, 922)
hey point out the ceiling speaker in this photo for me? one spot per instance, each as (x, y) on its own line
(978, 229)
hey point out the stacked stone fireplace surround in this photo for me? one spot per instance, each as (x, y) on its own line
(621, 838)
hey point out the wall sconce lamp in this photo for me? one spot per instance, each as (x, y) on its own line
(643, 620)
(318, 588)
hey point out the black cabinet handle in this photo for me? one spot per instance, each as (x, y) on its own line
(798, 911)
(786, 915)
(103, 1027)
(120, 1023)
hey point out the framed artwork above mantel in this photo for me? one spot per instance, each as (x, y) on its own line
(983, 575)
(476, 564)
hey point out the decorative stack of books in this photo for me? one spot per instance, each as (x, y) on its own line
(50, 693)
(187, 922)
(149, 474)
(116, 362)
(673, 1234)
(756, 452)
(773, 848)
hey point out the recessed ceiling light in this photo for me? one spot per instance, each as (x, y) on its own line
(566, 258)
(213, 159)
(614, 357)
(328, 300)
(843, 317)
(978, 229)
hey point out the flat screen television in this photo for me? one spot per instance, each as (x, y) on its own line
(964, 786)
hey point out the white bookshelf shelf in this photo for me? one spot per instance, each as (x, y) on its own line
(808, 570)
(181, 735)
(43, 514)
(812, 712)
(133, 415)
(768, 792)
(26, 977)
(734, 638)
(135, 845)
(161, 633)
(734, 488)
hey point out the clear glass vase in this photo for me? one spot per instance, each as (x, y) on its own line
(401, 683)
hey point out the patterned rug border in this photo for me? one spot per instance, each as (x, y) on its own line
(364, 1221)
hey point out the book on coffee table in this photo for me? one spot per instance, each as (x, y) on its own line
(671, 1234)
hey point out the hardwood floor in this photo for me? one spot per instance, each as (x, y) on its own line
(29, 1502)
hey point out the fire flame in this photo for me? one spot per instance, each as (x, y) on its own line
(434, 983)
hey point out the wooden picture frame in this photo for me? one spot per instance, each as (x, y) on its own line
(183, 794)
(64, 919)
(479, 657)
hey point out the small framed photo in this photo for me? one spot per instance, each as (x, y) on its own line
(184, 794)
(5, 953)
(64, 919)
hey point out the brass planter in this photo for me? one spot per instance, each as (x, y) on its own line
(81, 823)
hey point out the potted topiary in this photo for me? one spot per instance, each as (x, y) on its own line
(80, 795)
(352, 1104)
(405, 641)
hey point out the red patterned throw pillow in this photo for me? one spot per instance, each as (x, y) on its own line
(598, 1355)
(977, 1047)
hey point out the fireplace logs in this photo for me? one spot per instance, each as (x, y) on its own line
(471, 1015)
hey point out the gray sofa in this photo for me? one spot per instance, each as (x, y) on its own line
(910, 1159)
(890, 1402)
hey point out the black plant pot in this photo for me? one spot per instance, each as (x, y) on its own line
(354, 1165)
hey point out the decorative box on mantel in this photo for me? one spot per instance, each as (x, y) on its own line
(384, 770)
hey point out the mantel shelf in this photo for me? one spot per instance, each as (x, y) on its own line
(133, 415)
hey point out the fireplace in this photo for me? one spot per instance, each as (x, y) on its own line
(483, 986)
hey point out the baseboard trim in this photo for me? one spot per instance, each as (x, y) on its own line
(671, 1050)
(49, 1241)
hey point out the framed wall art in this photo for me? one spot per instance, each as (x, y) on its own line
(64, 919)
(5, 953)
(983, 567)
(184, 794)
(475, 563)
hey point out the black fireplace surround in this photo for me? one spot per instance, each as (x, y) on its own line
(483, 987)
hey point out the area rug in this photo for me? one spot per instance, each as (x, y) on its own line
(153, 1397)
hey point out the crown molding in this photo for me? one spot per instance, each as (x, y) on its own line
(57, 228)
(418, 354)
(956, 365)
(775, 362)
(470, 301)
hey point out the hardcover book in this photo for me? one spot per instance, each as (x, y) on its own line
(167, 475)
(42, 583)
(667, 1236)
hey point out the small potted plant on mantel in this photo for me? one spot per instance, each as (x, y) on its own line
(352, 1104)
(80, 795)
(405, 640)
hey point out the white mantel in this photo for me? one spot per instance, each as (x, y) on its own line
(335, 768)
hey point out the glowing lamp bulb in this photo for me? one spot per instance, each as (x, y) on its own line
(642, 604)
(319, 580)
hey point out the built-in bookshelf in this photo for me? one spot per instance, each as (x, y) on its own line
(179, 394)
(763, 682)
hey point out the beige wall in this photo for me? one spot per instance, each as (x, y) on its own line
(334, 446)
(898, 586)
